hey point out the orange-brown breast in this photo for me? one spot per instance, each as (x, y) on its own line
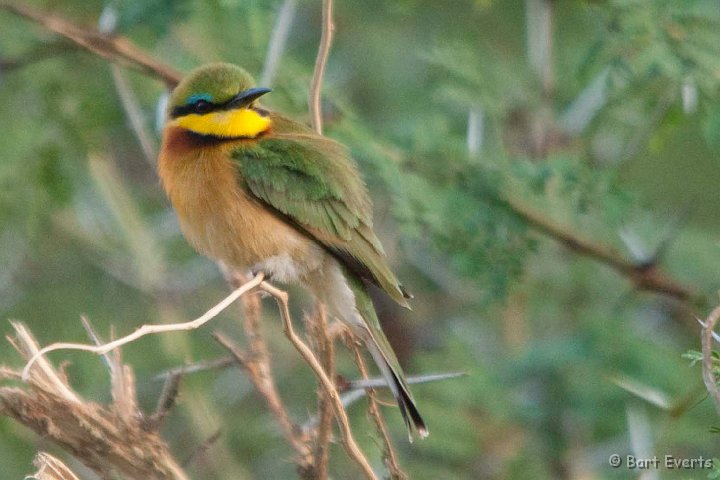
(216, 215)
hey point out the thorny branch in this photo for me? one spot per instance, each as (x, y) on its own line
(649, 277)
(125, 404)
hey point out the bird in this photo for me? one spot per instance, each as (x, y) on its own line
(254, 189)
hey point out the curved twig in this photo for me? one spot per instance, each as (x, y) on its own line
(320, 61)
(147, 329)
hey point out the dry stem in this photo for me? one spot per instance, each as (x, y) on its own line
(256, 363)
(258, 372)
(320, 61)
(389, 455)
(114, 440)
(325, 349)
(348, 440)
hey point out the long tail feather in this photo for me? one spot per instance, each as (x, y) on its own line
(371, 333)
(396, 382)
(346, 296)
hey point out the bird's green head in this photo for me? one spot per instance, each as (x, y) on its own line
(219, 100)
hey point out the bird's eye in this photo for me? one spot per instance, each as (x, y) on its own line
(202, 106)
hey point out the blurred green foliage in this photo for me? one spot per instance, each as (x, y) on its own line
(618, 143)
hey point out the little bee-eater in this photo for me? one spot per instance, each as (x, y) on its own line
(254, 189)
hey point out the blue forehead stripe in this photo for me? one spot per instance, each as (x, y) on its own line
(198, 96)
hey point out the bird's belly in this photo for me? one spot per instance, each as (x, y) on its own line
(226, 223)
(245, 235)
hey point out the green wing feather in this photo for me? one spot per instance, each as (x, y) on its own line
(313, 183)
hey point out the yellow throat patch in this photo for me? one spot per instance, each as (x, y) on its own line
(242, 122)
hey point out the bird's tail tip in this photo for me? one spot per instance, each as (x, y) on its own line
(413, 420)
(422, 433)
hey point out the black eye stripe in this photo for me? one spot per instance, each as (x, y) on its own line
(199, 107)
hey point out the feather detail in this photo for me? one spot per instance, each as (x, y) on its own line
(314, 184)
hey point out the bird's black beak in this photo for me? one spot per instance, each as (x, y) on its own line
(246, 97)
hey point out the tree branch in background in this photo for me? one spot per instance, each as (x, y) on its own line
(318, 326)
(323, 51)
(644, 276)
(133, 111)
(278, 40)
(113, 48)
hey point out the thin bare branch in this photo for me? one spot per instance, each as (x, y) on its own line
(351, 447)
(325, 350)
(323, 51)
(707, 363)
(356, 389)
(113, 48)
(380, 382)
(256, 364)
(167, 399)
(94, 336)
(389, 455)
(147, 329)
